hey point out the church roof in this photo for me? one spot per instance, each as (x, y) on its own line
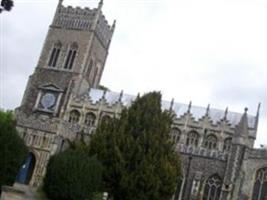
(197, 112)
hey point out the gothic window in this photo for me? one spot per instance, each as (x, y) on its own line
(210, 142)
(192, 139)
(90, 119)
(74, 116)
(54, 55)
(260, 185)
(71, 56)
(227, 144)
(212, 189)
(175, 135)
(105, 118)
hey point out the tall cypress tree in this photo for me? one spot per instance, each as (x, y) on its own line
(138, 157)
(13, 151)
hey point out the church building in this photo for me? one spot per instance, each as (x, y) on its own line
(62, 103)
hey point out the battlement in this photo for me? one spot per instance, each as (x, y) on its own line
(84, 19)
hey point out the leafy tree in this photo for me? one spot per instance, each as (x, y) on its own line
(12, 149)
(6, 5)
(72, 175)
(138, 157)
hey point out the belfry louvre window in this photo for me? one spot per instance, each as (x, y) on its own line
(74, 116)
(192, 139)
(212, 188)
(54, 55)
(260, 185)
(71, 56)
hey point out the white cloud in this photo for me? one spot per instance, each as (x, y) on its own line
(207, 51)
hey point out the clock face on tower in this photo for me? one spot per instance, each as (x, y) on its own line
(48, 101)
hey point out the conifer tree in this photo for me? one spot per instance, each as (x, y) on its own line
(138, 157)
(13, 151)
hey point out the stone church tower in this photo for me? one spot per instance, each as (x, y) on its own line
(62, 103)
(72, 60)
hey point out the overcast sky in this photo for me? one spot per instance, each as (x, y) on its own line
(207, 51)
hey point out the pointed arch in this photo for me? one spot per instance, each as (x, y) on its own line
(74, 116)
(26, 171)
(192, 138)
(175, 135)
(260, 185)
(212, 188)
(210, 142)
(90, 119)
(71, 56)
(55, 54)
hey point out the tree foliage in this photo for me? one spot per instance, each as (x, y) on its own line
(6, 5)
(102, 87)
(12, 149)
(72, 175)
(138, 157)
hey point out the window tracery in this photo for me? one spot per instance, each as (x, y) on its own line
(192, 139)
(90, 119)
(212, 188)
(210, 142)
(74, 116)
(175, 135)
(55, 55)
(260, 185)
(71, 56)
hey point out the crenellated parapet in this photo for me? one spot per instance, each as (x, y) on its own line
(202, 152)
(207, 131)
(256, 154)
(194, 117)
(84, 19)
(75, 18)
(104, 31)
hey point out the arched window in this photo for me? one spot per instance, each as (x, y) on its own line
(212, 188)
(192, 139)
(105, 118)
(260, 185)
(54, 55)
(175, 135)
(71, 56)
(210, 142)
(74, 116)
(90, 119)
(227, 144)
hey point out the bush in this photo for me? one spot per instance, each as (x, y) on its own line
(72, 175)
(12, 149)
